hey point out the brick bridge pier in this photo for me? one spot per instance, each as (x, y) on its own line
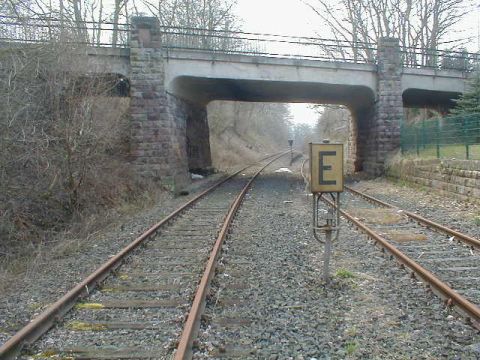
(169, 135)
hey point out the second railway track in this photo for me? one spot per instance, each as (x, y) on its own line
(446, 259)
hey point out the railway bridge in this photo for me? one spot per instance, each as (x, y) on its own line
(172, 81)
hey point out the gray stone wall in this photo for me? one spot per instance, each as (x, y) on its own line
(158, 146)
(459, 178)
(352, 147)
(362, 120)
(384, 129)
(197, 133)
(158, 119)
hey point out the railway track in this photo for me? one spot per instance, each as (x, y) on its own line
(152, 308)
(445, 259)
(134, 306)
(250, 302)
(246, 306)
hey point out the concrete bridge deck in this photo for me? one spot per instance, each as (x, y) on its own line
(188, 72)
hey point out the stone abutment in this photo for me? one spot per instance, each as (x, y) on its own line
(163, 146)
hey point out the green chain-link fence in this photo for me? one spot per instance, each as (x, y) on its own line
(450, 137)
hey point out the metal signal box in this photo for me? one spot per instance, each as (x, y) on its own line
(326, 168)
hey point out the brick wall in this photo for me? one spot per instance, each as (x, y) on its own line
(384, 129)
(460, 178)
(158, 119)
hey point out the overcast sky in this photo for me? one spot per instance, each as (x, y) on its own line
(288, 17)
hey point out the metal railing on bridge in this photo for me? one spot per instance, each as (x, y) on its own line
(109, 34)
(449, 137)
(42, 30)
(258, 44)
(440, 59)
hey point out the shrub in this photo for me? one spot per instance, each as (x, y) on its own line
(63, 142)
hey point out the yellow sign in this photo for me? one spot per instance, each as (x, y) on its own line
(326, 168)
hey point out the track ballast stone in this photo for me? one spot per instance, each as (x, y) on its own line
(268, 300)
(52, 274)
(457, 214)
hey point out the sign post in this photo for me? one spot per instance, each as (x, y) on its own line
(326, 177)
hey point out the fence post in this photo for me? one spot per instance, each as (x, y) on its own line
(437, 137)
(423, 134)
(417, 142)
(465, 139)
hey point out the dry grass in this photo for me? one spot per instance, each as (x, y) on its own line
(77, 234)
(377, 216)
(457, 151)
(229, 149)
(404, 236)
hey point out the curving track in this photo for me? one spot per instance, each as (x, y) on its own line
(139, 310)
(447, 260)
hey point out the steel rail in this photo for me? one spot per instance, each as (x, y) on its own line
(184, 349)
(453, 298)
(44, 321)
(458, 235)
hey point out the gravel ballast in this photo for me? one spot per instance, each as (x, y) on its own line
(269, 302)
(457, 214)
(143, 319)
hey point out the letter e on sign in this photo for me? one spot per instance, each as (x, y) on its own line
(326, 168)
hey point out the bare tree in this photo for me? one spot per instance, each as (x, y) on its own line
(202, 14)
(87, 21)
(199, 20)
(415, 23)
(119, 6)
(60, 138)
(333, 123)
(240, 131)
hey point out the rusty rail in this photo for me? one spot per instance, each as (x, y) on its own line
(466, 307)
(460, 236)
(184, 349)
(44, 321)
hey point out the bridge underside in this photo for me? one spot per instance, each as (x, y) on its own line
(204, 90)
(439, 100)
(359, 99)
